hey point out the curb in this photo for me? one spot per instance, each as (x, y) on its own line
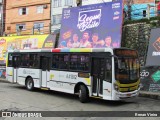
(3, 81)
(150, 95)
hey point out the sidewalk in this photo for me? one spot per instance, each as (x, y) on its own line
(153, 95)
(3, 80)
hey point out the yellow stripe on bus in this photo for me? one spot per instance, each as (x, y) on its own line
(88, 80)
(127, 85)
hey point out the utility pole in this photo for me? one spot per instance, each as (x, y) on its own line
(129, 5)
(148, 11)
(1, 21)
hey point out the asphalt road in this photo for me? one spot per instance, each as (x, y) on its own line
(16, 98)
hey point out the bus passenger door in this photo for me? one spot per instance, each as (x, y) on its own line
(98, 69)
(45, 70)
(16, 61)
(100, 86)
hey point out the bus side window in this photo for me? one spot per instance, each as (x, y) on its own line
(74, 62)
(55, 61)
(63, 61)
(10, 57)
(33, 61)
(25, 60)
(84, 62)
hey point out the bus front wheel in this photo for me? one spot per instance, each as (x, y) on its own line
(83, 94)
(29, 84)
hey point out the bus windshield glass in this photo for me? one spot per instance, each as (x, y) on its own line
(126, 65)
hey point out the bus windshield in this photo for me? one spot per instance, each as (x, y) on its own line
(127, 68)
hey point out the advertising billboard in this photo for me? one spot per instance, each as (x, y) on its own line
(150, 79)
(24, 42)
(153, 55)
(92, 26)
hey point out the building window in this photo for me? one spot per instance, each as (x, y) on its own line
(40, 9)
(38, 26)
(20, 26)
(23, 11)
(144, 13)
(57, 19)
(68, 2)
(57, 3)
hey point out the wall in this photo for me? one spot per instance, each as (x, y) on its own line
(136, 36)
(150, 79)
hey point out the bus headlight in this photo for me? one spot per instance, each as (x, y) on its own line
(116, 87)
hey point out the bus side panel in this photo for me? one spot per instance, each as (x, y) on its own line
(37, 78)
(23, 73)
(10, 74)
(107, 90)
(53, 80)
(67, 81)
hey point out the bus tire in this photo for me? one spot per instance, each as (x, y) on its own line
(29, 84)
(83, 94)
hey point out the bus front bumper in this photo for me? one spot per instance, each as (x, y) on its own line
(122, 95)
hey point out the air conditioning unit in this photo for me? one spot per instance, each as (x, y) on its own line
(20, 27)
(45, 6)
(79, 2)
(8, 27)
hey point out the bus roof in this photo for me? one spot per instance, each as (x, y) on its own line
(57, 50)
(65, 50)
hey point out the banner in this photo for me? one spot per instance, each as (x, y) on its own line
(150, 79)
(92, 26)
(153, 55)
(24, 42)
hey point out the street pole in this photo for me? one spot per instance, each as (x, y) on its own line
(1, 9)
(148, 11)
(129, 9)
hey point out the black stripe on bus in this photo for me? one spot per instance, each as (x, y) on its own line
(64, 82)
(25, 77)
(9, 75)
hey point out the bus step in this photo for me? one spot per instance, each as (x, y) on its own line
(44, 88)
(96, 97)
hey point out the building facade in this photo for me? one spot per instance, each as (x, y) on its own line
(140, 9)
(56, 12)
(25, 17)
(158, 7)
(139, 1)
(89, 2)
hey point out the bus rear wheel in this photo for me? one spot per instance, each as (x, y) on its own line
(29, 84)
(83, 94)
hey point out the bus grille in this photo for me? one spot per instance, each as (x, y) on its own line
(128, 89)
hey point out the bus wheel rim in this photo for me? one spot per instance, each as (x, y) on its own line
(80, 92)
(29, 84)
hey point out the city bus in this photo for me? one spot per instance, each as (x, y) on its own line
(104, 73)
